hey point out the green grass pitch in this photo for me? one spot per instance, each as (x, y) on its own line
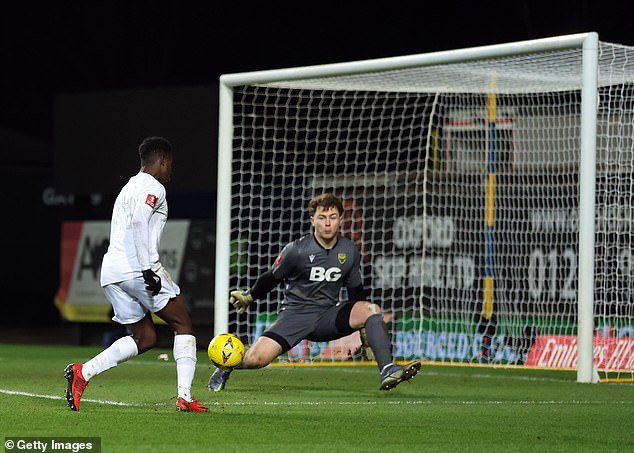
(313, 408)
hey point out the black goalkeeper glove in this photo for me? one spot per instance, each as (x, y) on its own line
(152, 281)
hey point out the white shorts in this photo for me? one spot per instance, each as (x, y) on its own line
(131, 301)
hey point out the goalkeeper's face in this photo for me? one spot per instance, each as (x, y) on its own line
(326, 222)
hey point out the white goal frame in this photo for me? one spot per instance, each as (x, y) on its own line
(588, 42)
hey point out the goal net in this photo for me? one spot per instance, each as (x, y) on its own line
(463, 176)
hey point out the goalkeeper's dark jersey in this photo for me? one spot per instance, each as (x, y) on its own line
(313, 275)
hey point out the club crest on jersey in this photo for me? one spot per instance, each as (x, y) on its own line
(341, 257)
(151, 200)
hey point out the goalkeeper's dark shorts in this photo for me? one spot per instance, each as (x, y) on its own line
(295, 324)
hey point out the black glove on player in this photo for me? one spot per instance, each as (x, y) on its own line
(152, 281)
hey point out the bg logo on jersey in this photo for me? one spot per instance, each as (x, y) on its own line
(319, 274)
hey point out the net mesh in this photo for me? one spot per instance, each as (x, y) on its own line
(461, 187)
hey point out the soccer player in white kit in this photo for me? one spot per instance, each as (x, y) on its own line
(136, 283)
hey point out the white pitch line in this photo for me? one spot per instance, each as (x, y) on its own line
(410, 402)
(55, 397)
(337, 403)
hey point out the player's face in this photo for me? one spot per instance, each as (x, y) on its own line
(326, 223)
(165, 171)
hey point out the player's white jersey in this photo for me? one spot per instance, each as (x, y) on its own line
(138, 218)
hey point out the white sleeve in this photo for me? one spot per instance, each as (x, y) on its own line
(141, 233)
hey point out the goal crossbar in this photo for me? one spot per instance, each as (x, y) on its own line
(407, 61)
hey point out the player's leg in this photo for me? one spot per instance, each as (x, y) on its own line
(129, 313)
(289, 329)
(368, 316)
(263, 352)
(175, 314)
(170, 307)
(142, 338)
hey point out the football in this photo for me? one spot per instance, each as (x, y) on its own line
(226, 351)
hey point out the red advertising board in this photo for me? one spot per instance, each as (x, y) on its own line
(560, 351)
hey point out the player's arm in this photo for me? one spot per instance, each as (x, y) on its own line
(265, 282)
(262, 286)
(141, 236)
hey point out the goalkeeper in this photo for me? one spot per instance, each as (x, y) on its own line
(314, 268)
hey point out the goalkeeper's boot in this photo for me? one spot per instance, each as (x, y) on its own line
(218, 380)
(76, 385)
(392, 375)
(182, 405)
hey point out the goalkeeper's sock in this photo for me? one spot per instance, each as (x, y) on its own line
(121, 350)
(185, 357)
(379, 340)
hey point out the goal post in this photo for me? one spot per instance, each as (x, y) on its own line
(587, 174)
(481, 233)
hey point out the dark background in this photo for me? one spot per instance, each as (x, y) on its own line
(81, 83)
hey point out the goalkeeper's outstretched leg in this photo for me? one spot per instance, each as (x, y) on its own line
(263, 352)
(368, 318)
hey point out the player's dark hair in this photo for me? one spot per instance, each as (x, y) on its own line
(151, 147)
(325, 200)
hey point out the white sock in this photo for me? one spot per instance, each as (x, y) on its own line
(121, 350)
(185, 357)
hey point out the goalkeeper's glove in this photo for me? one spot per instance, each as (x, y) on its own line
(240, 300)
(152, 281)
